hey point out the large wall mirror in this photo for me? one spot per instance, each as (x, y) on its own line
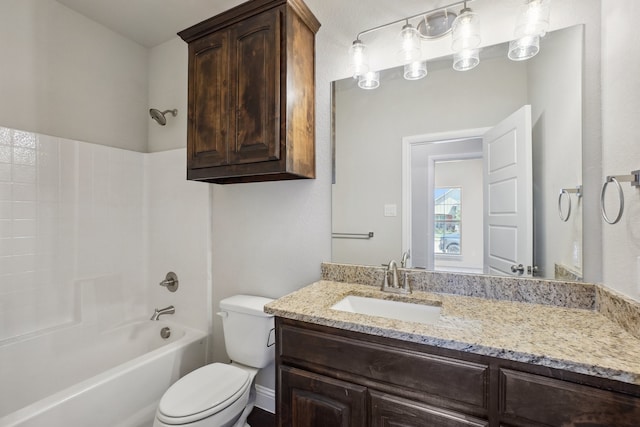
(413, 162)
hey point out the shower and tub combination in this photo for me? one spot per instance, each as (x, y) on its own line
(82, 376)
(77, 346)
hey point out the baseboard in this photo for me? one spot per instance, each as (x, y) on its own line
(266, 398)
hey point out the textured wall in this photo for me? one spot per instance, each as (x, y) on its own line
(620, 130)
(67, 76)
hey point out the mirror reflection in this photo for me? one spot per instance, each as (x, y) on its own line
(414, 163)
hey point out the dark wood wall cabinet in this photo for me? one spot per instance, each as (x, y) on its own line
(252, 93)
(331, 377)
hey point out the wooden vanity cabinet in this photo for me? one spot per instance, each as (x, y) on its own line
(251, 114)
(331, 377)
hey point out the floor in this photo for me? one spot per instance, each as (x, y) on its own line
(260, 418)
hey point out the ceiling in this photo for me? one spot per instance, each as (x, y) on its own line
(149, 22)
(153, 22)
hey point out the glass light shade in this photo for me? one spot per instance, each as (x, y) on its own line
(358, 59)
(466, 59)
(533, 18)
(524, 48)
(410, 49)
(465, 31)
(369, 80)
(415, 70)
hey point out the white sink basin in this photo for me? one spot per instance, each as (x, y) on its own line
(419, 313)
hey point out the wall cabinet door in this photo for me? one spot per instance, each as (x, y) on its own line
(209, 108)
(391, 411)
(312, 400)
(255, 67)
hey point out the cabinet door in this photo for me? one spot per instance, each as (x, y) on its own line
(528, 399)
(255, 62)
(208, 120)
(308, 400)
(393, 411)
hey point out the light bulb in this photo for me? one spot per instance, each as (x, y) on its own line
(415, 70)
(358, 59)
(410, 49)
(465, 31)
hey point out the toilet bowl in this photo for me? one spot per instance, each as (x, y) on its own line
(223, 395)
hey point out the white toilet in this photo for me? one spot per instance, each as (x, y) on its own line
(222, 395)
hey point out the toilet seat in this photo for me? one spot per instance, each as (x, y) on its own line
(202, 393)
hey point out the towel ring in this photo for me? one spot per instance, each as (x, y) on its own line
(620, 196)
(564, 218)
(568, 191)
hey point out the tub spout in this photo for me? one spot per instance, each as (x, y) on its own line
(160, 311)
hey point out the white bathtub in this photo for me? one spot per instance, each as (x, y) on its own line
(80, 377)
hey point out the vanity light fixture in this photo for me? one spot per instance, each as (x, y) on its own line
(532, 23)
(410, 50)
(359, 60)
(415, 70)
(433, 24)
(466, 59)
(465, 31)
(369, 80)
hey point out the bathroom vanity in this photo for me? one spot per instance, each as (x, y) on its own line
(484, 362)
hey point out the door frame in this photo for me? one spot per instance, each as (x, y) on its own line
(408, 142)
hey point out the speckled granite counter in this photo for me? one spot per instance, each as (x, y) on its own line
(574, 339)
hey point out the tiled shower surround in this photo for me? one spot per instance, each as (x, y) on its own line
(72, 233)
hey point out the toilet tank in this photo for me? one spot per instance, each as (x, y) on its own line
(248, 329)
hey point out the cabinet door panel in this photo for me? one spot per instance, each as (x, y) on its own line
(309, 400)
(256, 89)
(393, 411)
(528, 399)
(208, 101)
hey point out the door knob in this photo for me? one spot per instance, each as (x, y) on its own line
(517, 268)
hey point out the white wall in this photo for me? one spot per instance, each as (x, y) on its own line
(620, 130)
(179, 233)
(168, 81)
(67, 76)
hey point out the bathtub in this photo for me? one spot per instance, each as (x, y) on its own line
(79, 376)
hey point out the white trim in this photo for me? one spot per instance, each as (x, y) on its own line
(266, 398)
(431, 138)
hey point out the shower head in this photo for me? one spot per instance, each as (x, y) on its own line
(159, 117)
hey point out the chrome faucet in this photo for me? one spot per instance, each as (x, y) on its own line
(397, 285)
(159, 312)
(405, 258)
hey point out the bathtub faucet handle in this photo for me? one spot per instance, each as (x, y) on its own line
(170, 281)
(160, 311)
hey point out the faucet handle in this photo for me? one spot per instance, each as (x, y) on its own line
(170, 281)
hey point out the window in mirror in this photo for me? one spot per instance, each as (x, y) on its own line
(448, 221)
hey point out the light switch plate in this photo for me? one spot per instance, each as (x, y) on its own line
(390, 210)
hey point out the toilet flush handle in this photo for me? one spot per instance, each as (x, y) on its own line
(223, 314)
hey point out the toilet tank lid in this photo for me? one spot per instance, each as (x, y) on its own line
(249, 304)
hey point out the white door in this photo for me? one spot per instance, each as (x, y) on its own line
(508, 196)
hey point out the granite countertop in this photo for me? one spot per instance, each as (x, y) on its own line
(578, 340)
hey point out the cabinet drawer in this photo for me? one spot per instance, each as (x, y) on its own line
(444, 378)
(526, 398)
(388, 410)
